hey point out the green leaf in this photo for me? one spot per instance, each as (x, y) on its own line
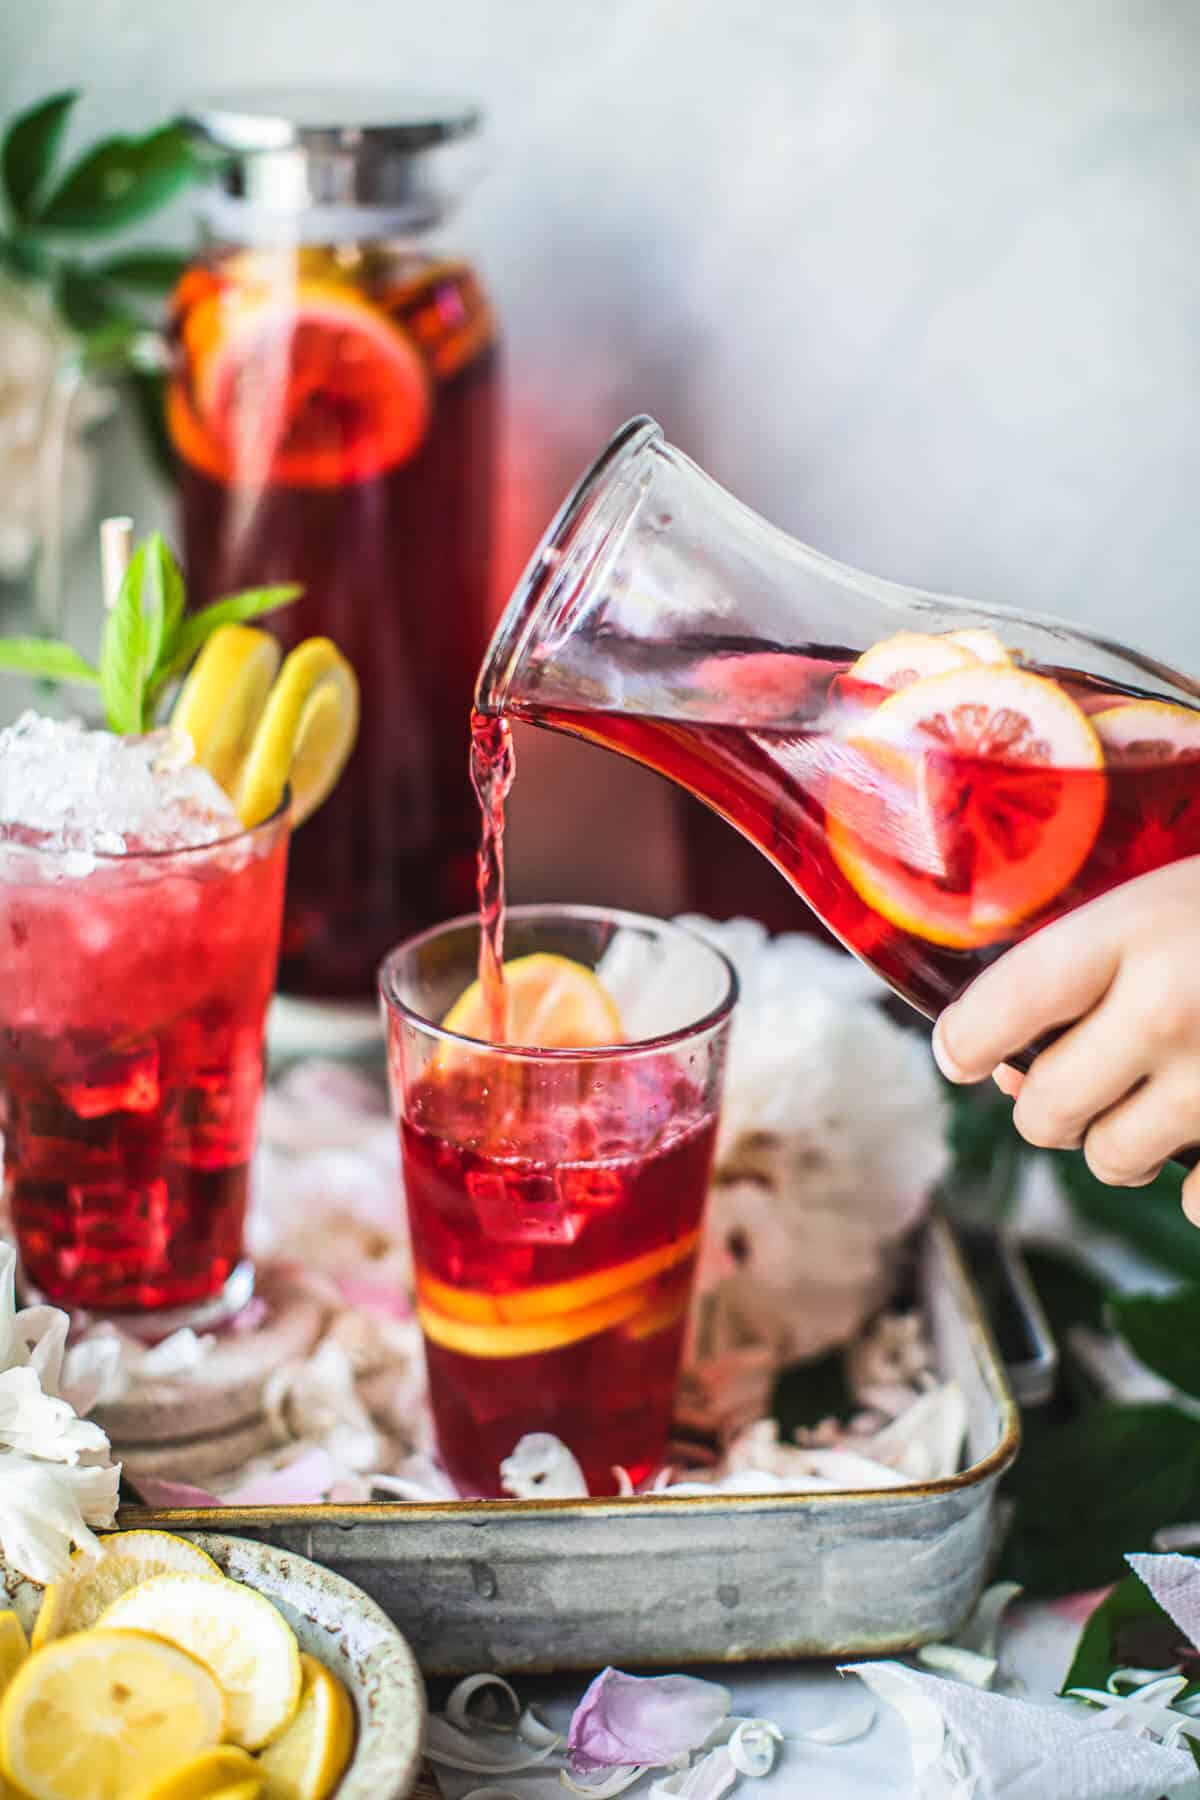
(147, 389)
(30, 146)
(234, 610)
(1164, 1331)
(1129, 1629)
(85, 301)
(45, 657)
(809, 1392)
(134, 632)
(1096, 1488)
(152, 272)
(119, 181)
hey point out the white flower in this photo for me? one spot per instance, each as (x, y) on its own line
(42, 425)
(56, 1478)
(46, 1508)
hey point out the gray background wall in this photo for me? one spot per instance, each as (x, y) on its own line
(919, 281)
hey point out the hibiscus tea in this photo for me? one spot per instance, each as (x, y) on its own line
(555, 1197)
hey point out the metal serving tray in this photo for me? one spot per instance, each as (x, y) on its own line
(562, 1584)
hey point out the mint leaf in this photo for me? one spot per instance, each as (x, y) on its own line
(1128, 1629)
(1164, 1331)
(235, 609)
(119, 181)
(28, 151)
(1091, 1490)
(134, 632)
(142, 271)
(45, 657)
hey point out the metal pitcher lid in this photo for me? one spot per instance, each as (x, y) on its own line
(286, 151)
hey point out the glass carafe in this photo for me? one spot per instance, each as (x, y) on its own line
(332, 407)
(936, 778)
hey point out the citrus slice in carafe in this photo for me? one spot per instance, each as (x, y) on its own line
(1147, 731)
(983, 644)
(553, 1004)
(304, 385)
(896, 662)
(966, 803)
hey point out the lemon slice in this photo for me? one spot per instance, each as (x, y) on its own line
(83, 1712)
(308, 1760)
(553, 1004)
(236, 1633)
(982, 644)
(126, 1557)
(14, 1647)
(306, 732)
(222, 700)
(211, 1775)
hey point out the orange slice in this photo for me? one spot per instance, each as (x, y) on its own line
(554, 1299)
(1147, 731)
(306, 386)
(967, 804)
(983, 645)
(896, 662)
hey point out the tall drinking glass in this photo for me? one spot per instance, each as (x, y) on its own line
(555, 1197)
(133, 994)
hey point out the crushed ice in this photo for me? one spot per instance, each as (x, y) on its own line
(91, 793)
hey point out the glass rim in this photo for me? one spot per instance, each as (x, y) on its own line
(510, 639)
(531, 912)
(128, 858)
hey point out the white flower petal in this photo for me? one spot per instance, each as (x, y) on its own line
(46, 1508)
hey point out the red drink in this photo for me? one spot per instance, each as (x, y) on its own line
(334, 415)
(132, 1001)
(555, 1197)
(555, 1259)
(927, 853)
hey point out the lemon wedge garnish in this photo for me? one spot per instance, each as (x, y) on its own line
(307, 1760)
(84, 1712)
(236, 1633)
(211, 1775)
(126, 1557)
(553, 1004)
(304, 736)
(223, 698)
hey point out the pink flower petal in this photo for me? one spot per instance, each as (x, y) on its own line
(383, 1299)
(299, 1484)
(1077, 1609)
(173, 1493)
(648, 1720)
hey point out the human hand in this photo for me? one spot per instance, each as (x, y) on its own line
(1122, 976)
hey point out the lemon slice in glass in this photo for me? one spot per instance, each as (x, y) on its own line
(126, 1558)
(223, 698)
(553, 1004)
(304, 736)
(236, 1633)
(211, 1775)
(308, 1759)
(83, 1712)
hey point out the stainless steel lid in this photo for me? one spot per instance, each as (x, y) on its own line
(285, 152)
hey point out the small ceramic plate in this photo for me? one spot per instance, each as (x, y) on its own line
(335, 1622)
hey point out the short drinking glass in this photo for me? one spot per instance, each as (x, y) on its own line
(555, 1197)
(133, 994)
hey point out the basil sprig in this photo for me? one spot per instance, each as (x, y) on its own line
(149, 638)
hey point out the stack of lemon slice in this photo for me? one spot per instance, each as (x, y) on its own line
(259, 728)
(153, 1677)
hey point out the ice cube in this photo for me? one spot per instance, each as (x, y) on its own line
(93, 794)
(523, 1209)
